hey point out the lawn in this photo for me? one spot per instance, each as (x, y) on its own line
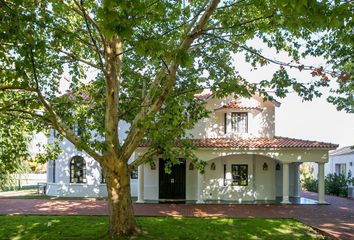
(94, 227)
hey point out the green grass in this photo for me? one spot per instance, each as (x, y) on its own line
(94, 227)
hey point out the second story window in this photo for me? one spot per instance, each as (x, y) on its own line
(239, 122)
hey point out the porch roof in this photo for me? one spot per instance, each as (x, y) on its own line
(274, 142)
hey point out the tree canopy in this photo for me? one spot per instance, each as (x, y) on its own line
(143, 61)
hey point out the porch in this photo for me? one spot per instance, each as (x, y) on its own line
(240, 172)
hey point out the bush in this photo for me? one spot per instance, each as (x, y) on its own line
(310, 184)
(336, 185)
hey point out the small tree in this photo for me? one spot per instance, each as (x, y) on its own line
(143, 62)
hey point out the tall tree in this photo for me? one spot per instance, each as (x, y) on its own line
(142, 62)
(13, 157)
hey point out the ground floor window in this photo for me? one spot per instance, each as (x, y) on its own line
(54, 166)
(77, 170)
(103, 179)
(239, 174)
(134, 174)
(340, 168)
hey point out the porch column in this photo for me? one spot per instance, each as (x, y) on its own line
(321, 183)
(141, 184)
(200, 188)
(285, 183)
(296, 180)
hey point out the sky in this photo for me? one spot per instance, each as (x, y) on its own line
(315, 120)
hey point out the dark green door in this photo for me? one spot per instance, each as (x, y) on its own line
(173, 185)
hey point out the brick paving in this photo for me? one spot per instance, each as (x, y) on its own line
(336, 219)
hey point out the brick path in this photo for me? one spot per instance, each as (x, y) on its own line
(336, 219)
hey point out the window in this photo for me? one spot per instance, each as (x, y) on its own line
(134, 174)
(239, 122)
(224, 174)
(239, 175)
(103, 179)
(53, 177)
(78, 129)
(340, 168)
(77, 170)
(55, 133)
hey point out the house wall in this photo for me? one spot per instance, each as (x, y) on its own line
(93, 186)
(262, 184)
(260, 123)
(151, 182)
(347, 159)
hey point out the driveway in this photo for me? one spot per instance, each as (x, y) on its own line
(336, 219)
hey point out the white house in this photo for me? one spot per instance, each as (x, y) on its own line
(246, 161)
(340, 162)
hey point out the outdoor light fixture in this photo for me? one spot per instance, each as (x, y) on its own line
(191, 166)
(277, 167)
(153, 166)
(212, 166)
(265, 166)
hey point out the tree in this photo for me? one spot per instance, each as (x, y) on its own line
(12, 157)
(143, 62)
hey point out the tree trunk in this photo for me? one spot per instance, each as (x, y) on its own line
(121, 215)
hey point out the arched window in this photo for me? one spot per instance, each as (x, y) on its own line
(77, 170)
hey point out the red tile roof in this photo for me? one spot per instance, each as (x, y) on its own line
(204, 95)
(275, 142)
(240, 106)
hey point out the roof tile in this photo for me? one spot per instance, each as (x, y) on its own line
(275, 142)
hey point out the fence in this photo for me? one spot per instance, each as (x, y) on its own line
(30, 179)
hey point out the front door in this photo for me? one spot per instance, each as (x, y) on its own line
(173, 185)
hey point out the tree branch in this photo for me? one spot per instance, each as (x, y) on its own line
(56, 120)
(82, 14)
(7, 87)
(142, 159)
(74, 57)
(136, 133)
(88, 18)
(240, 24)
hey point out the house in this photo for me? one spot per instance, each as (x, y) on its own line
(246, 161)
(340, 162)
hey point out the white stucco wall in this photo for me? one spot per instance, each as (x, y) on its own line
(261, 123)
(262, 184)
(347, 159)
(93, 186)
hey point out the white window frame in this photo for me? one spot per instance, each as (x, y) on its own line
(229, 128)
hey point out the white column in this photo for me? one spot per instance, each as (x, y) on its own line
(141, 184)
(296, 180)
(285, 183)
(321, 183)
(200, 188)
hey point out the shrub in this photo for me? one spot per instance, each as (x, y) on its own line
(336, 185)
(310, 184)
